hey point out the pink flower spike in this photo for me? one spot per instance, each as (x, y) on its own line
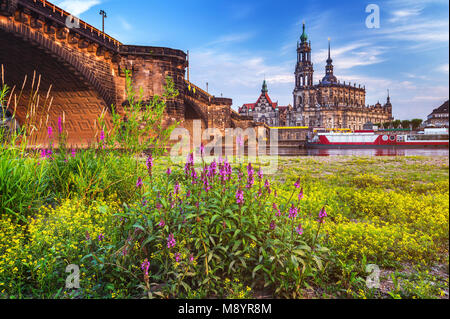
(171, 241)
(322, 215)
(299, 229)
(300, 195)
(59, 125)
(139, 183)
(50, 132)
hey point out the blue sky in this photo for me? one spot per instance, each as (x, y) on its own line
(235, 44)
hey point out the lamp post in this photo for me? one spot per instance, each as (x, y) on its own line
(103, 14)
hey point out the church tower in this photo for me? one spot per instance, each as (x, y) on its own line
(304, 69)
(304, 91)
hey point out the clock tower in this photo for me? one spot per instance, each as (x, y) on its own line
(304, 93)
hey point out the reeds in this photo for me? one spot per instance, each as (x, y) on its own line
(33, 117)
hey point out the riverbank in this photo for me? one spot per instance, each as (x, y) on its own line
(147, 231)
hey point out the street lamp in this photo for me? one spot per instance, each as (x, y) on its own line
(103, 14)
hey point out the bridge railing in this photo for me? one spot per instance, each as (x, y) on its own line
(194, 91)
(155, 51)
(64, 14)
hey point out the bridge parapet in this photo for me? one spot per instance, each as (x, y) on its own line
(47, 13)
(198, 93)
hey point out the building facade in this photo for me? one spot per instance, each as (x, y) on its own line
(439, 116)
(264, 110)
(328, 104)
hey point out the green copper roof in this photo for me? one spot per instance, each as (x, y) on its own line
(264, 87)
(304, 37)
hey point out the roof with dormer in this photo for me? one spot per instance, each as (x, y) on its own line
(264, 96)
(441, 109)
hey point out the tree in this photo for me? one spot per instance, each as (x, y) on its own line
(396, 123)
(416, 123)
(386, 125)
(406, 123)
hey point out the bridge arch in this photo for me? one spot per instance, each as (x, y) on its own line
(74, 95)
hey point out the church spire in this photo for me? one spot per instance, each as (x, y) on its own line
(304, 37)
(264, 87)
(329, 49)
(329, 61)
(329, 76)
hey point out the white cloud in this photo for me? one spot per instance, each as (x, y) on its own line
(404, 14)
(76, 7)
(442, 68)
(423, 31)
(351, 55)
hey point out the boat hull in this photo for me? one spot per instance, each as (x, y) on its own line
(380, 141)
(375, 146)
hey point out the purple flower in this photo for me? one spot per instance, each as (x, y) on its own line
(250, 179)
(102, 135)
(194, 176)
(145, 266)
(240, 197)
(177, 257)
(169, 171)
(299, 229)
(206, 185)
(101, 237)
(50, 132)
(162, 223)
(149, 164)
(139, 183)
(250, 170)
(46, 154)
(322, 215)
(191, 258)
(293, 212)
(267, 186)
(275, 207)
(171, 241)
(212, 169)
(273, 225)
(73, 153)
(177, 188)
(202, 150)
(297, 183)
(300, 195)
(260, 173)
(59, 125)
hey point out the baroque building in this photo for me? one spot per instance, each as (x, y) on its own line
(329, 104)
(264, 110)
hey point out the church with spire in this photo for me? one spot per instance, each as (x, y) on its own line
(328, 104)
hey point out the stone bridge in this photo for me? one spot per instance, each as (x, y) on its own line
(84, 68)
